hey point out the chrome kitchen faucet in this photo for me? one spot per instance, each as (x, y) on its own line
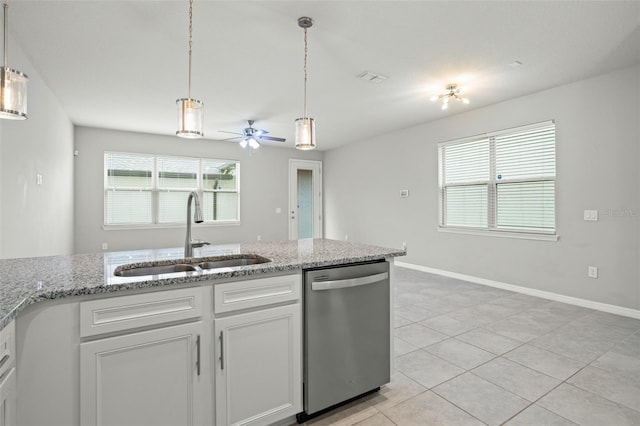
(189, 244)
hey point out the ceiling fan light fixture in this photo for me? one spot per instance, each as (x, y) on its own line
(253, 144)
(190, 111)
(305, 126)
(453, 92)
(13, 83)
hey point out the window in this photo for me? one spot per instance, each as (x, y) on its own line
(144, 189)
(502, 181)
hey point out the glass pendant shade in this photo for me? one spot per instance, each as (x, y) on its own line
(13, 96)
(13, 83)
(305, 133)
(189, 118)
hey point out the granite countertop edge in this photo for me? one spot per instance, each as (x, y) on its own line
(27, 281)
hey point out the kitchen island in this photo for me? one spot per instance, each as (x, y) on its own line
(82, 333)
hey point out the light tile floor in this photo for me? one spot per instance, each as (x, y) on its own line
(467, 354)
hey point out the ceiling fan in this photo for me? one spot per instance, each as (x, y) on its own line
(251, 136)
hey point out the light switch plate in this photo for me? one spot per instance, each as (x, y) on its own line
(592, 272)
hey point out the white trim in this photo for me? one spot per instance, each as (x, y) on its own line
(604, 307)
(502, 234)
(130, 227)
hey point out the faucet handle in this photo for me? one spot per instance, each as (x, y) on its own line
(199, 243)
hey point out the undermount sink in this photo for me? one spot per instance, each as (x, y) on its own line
(203, 264)
(153, 270)
(236, 261)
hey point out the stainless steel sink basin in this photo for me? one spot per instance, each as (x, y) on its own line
(152, 270)
(230, 262)
(203, 264)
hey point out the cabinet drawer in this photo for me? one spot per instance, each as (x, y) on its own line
(238, 295)
(7, 348)
(140, 310)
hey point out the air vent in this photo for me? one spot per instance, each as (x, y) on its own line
(372, 77)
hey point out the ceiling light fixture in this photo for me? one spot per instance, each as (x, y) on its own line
(305, 126)
(189, 109)
(453, 92)
(13, 83)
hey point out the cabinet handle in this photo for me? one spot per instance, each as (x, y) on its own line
(221, 351)
(198, 354)
(4, 360)
(353, 282)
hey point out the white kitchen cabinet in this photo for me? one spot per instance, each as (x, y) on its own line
(8, 399)
(7, 375)
(258, 366)
(146, 378)
(134, 375)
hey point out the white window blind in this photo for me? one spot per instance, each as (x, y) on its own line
(142, 189)
(128, 189)
(501, 181)
(220, 197)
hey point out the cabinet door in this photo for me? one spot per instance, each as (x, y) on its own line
(258, 366)
(8, 399)
(146, 378)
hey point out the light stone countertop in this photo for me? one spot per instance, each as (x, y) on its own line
(30, 280)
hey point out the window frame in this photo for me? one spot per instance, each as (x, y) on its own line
(492, 183)
(156, 189)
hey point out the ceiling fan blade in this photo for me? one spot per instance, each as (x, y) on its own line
(229, 139)
(233, 133)
(271, 138)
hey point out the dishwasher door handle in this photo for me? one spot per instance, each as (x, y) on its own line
(352, 282)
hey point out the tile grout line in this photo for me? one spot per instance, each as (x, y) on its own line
(563, 320)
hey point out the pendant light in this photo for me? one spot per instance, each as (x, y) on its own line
(305, 126)
(189, 109)
(13, 83)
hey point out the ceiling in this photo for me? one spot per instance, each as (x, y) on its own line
(122, 64)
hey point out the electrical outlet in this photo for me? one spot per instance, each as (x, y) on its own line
(259, 237)
(592, 272)
(346, 237)
(591, 215)
(404, 193)
(105, 246)
(404, 246)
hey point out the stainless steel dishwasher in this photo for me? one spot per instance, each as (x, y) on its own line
(347, 350)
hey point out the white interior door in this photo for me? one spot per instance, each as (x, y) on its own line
(305, 199)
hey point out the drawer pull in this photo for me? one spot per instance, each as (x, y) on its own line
(4, 360)
(221, 351)
(198, 354)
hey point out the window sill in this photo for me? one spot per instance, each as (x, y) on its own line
(168, 226)
(500, 234)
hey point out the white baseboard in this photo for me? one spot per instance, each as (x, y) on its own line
(613, 309)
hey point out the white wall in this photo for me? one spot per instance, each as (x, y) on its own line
(263, 188)
(36, 220)
(598, 163)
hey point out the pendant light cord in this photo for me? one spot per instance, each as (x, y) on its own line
(305, 74)
(5, 6)
(190, 41)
